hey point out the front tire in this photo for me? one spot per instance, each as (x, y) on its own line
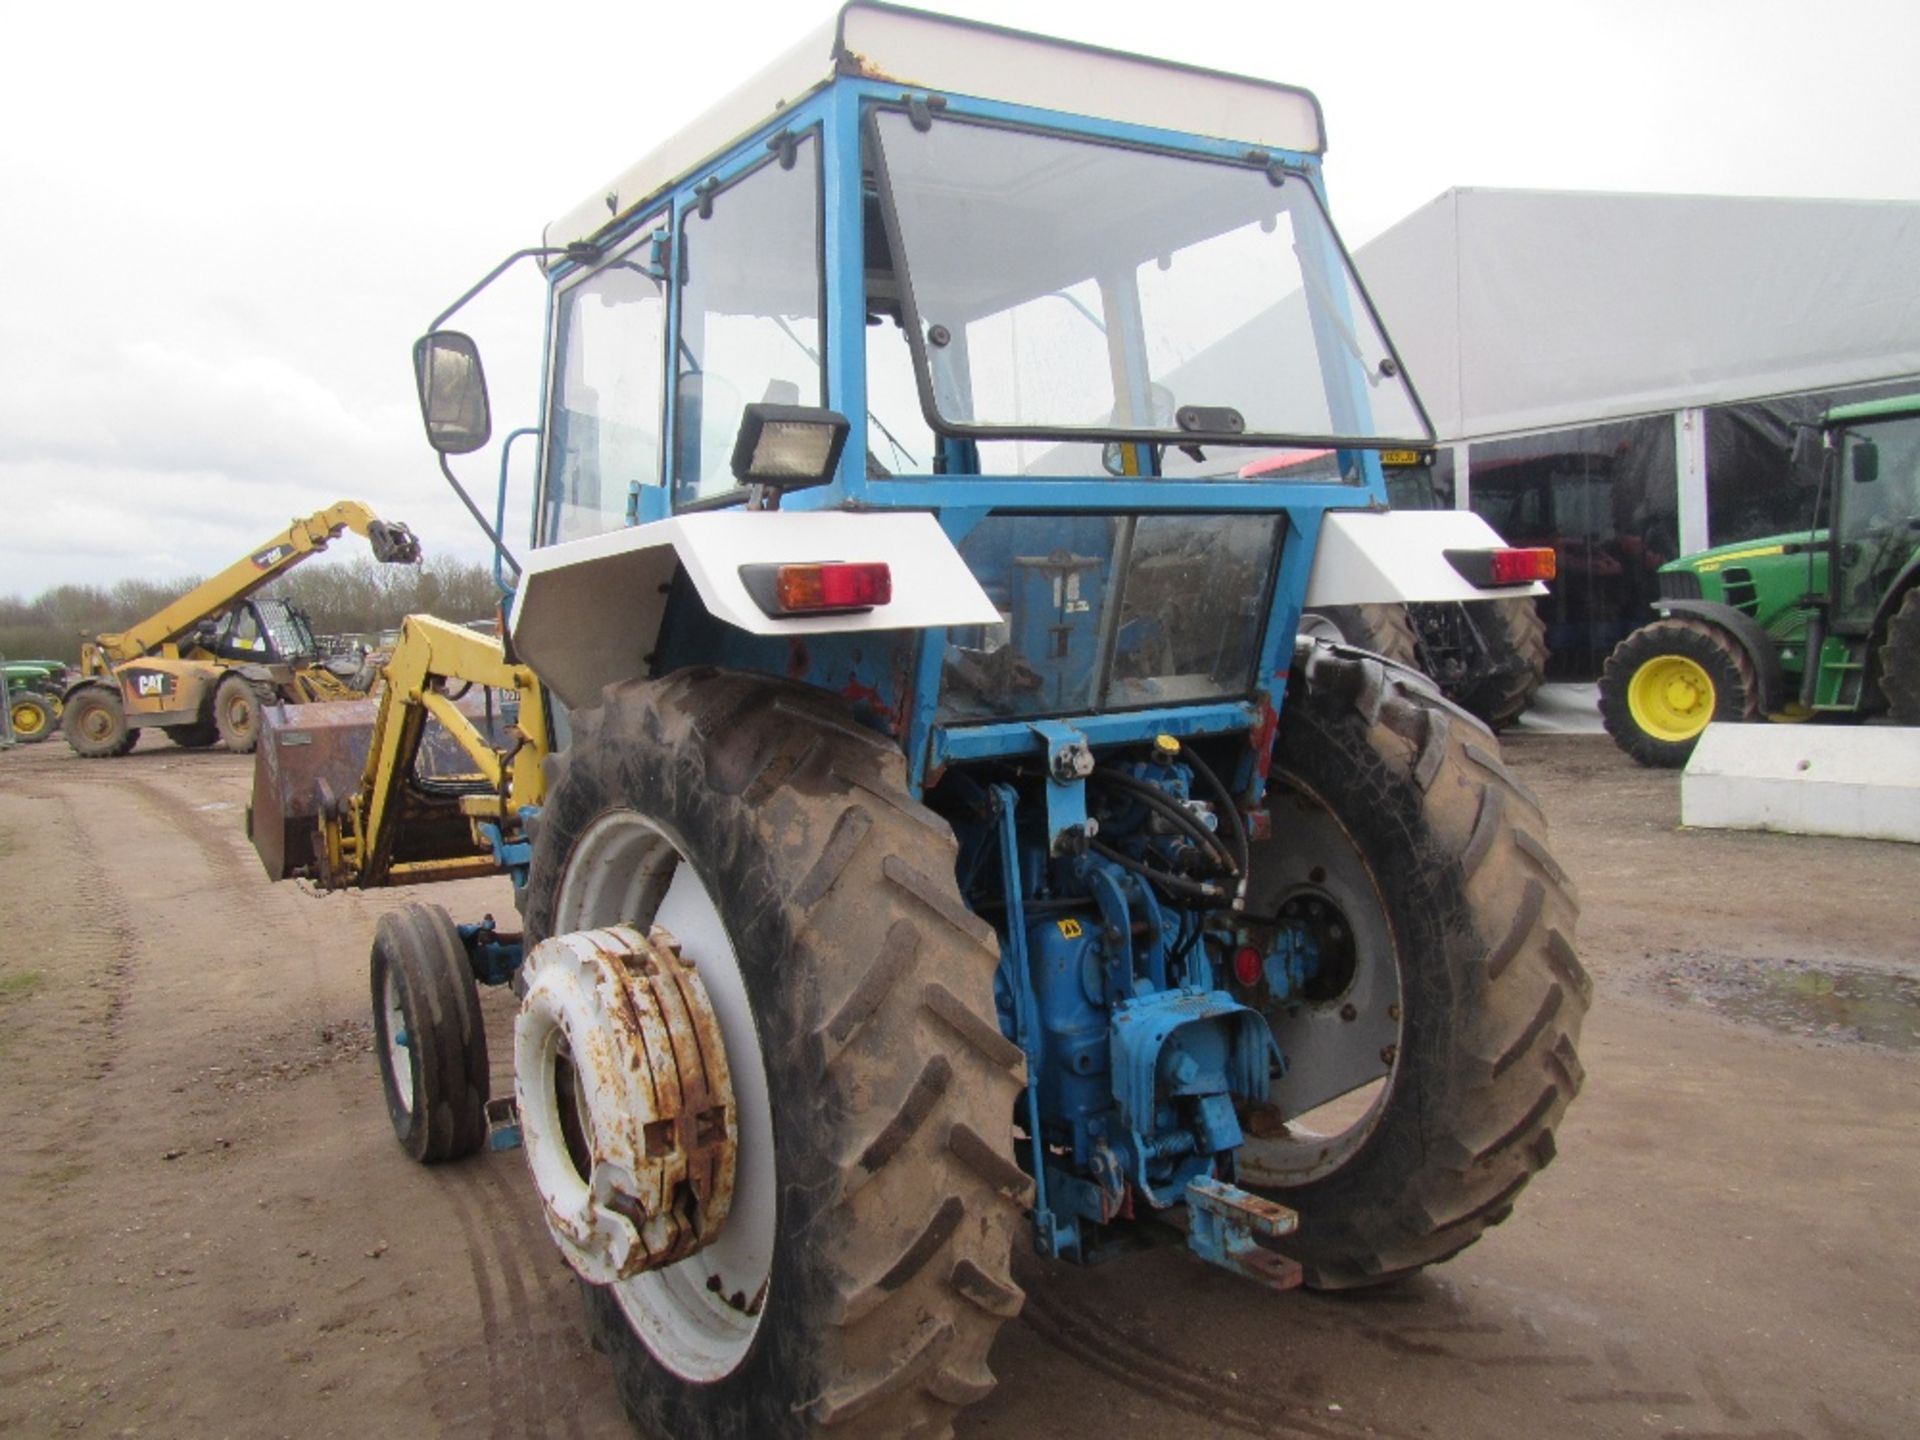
(95, 723)
(1900, 661)
(197, 736)
(236, 714)
(31, 716)
(1667, 681)
(428, 1034)
(1433, 1055)
(863, 1271)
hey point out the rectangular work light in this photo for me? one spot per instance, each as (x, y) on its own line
(1511, 566)
(788, 447)
(826, 587)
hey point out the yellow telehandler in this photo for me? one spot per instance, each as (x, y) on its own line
(200, 667)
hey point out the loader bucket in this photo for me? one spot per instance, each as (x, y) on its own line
(307, 754)
(314, 756)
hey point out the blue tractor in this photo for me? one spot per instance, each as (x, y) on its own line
(945, 839)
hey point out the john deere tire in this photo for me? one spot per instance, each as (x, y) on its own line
(31, 715)
(236, 714)
(1433, 1054)
(863, 1270)
(197, 736)
(1516, 660)
(95, 723)
(428, 1034)
(1383, 629)
(1665, 682)
(1900, 661)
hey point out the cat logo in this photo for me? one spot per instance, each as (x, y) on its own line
(148, 684)
(272, 556)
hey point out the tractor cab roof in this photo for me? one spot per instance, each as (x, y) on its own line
(938, 53)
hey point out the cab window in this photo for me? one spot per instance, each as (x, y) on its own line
(603, 425)
(750, 314)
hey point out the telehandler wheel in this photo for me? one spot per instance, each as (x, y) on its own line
(1900, 661)
(863, 1269)
(197, 736)
(1383, 629)
(429, 1035)
(95, 723)
(236, 714)
(1664, 683)
(31, 715)
(1516, 640)
(1432, 1055)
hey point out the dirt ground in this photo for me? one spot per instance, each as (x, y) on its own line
(207, 1230)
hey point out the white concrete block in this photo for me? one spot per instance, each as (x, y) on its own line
(1861, 781)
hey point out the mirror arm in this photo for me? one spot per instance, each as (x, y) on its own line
(499, 545)
(581, 252)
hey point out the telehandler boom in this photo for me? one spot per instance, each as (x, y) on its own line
(199, 667)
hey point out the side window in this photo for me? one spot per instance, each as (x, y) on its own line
(603, 431)
(750, 323)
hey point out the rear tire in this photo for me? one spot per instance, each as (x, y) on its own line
(197, 736)
(236, 715)
(890, 1198)
(1667, 681)
(428, 1034)
(1900, 661)
(1516, 641)
(1433, 1056)
(1383, 629)
(95, 723)
(31, 715)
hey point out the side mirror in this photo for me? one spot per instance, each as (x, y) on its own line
(453, 392)
(1866, 462)
(1808, 450)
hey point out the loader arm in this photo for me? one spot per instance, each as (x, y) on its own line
(392, 542)
(361, 833)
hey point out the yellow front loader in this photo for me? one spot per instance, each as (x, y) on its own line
(427, 782)
(200, 667)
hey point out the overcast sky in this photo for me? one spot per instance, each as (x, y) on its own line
(223, 225)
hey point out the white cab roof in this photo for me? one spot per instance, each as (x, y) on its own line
(963, 57)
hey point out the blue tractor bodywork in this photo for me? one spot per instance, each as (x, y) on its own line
(1102, 753)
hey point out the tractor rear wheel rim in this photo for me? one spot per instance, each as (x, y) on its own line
(1671, 697)
(698, 1317)
(1342, 1035)
(26, 719)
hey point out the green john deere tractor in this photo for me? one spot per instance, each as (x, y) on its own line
(1825, 622)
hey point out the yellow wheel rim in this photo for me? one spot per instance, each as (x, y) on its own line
(28, 720)
(1671, 697)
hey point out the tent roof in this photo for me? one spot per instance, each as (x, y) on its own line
(1531, 309)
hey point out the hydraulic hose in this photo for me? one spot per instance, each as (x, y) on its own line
(1163, 805)
(1229, 811)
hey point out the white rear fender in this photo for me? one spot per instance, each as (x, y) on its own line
(1399, 556)
(588, 612)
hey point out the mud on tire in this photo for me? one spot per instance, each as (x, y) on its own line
(889, 1084)
(236, 714)
(1490, 991)
(95, 723)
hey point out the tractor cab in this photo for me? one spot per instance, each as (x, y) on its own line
(260, 632)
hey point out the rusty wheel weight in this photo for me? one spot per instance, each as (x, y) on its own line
(748, 832)
(428, 1034)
